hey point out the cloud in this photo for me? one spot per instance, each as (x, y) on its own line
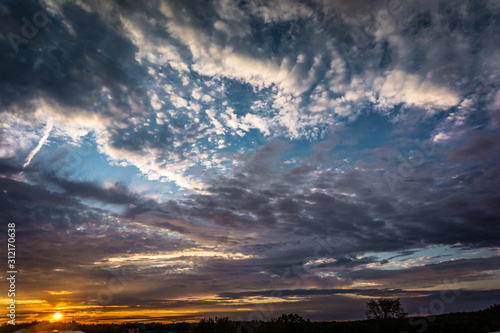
(227, 143)
(440, 137)
(400, 87)
(40, 144)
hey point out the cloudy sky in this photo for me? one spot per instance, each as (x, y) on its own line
(173, 160)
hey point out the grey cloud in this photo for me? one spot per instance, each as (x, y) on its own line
(455, 271)
(70, 69)
(117, 194)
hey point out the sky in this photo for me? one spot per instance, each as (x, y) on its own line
(174, 160)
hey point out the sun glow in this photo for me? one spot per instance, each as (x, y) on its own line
(57, 316)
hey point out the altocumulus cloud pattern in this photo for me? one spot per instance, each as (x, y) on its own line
(203, 158)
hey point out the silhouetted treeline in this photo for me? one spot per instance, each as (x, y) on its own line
(487, 320)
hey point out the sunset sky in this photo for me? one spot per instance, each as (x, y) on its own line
(174, 160)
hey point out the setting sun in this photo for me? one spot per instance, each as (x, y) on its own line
(57, 316)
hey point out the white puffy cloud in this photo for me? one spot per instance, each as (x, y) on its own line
(441, 137)
(401, 87)
(151, 47)
(281, 10)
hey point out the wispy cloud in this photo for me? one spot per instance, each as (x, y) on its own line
(45, 136)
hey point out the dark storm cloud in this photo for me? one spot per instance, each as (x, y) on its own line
(51, 223)
(394, 225)
(369, 221)
(8, 167)
(68, 67)
(312, 292)
(46, 223)
(455, 271)
(479, 146)
(117, 194)
(18, 193)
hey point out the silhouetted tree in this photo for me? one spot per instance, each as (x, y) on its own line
(217, 325)
(289, 323)
(290, 319)
(384, 308)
